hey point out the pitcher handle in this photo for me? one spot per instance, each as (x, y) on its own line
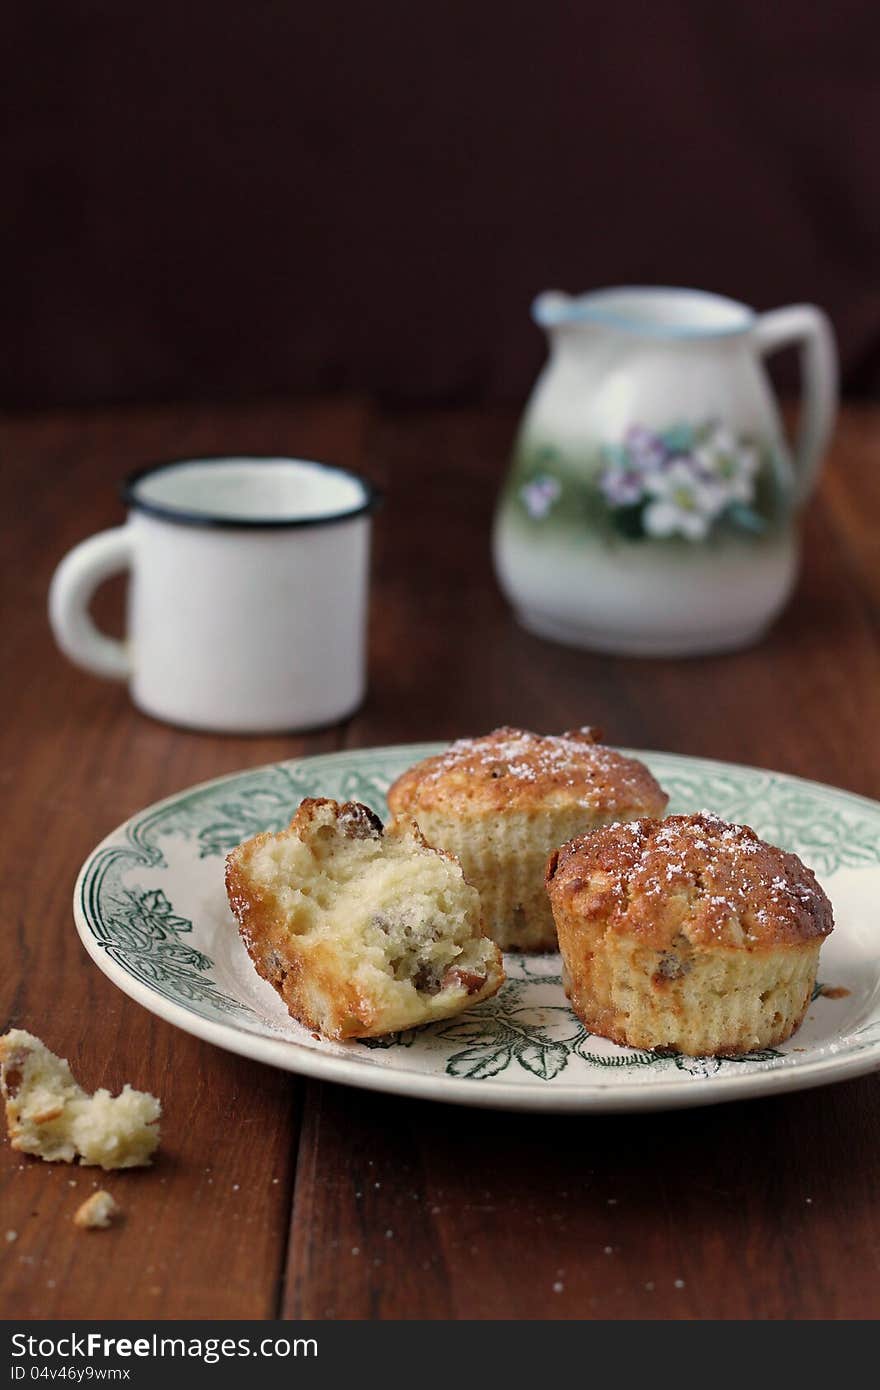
(808, 326)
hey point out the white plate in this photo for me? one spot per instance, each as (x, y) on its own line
(151, 909)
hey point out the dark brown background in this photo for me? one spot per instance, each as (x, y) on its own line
(214, 198)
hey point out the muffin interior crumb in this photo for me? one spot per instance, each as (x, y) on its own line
(387, 902)
(48, 1114)
(97, 1212)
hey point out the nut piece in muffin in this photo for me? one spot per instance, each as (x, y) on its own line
(687, 934)
(50, 1115)
(361, 930)
(502, 802)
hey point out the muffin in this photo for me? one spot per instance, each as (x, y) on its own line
(687, 934)
(501, 803)
(360, 930)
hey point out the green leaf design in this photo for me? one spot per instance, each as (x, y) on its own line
(479, 1062)
(544, 1060)
(144, 938)
(621, 1058)
(178, 954)
(471, 1028)
(155, 902)
(266, 806)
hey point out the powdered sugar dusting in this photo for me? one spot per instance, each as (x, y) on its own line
(728, 886)
(570, 759)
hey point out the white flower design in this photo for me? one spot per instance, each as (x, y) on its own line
(729, 465)
(684, 503)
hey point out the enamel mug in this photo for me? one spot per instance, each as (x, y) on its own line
(247, 596)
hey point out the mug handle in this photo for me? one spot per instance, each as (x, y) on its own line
(73, 584)
(808, 326)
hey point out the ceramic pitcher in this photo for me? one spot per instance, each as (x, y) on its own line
(652, 504)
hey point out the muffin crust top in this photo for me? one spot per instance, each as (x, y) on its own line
(512, 769)
(697, 877)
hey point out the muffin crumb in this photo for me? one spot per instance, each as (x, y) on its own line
(49, 1115)
(97, 1212)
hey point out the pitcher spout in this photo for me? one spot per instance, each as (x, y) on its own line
(552, 308)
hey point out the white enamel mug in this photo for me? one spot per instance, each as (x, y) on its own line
(247, 599)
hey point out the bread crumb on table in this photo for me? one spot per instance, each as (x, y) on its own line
(48, 1114)
(97, 1212)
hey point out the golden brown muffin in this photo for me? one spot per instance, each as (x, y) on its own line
(501, 803)
(687, 934)
(362, 931)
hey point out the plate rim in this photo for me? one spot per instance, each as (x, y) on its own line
(678, 1092)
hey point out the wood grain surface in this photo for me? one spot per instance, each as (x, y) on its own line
(277, 1196)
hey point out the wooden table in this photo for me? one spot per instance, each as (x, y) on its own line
(267, 1185)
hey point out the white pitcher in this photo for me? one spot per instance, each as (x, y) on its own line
(651, 508)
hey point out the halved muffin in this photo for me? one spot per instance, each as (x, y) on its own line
(502, 802)
(688, 934)
(361, 930)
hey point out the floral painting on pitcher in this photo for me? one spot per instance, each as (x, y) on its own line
(682, 481)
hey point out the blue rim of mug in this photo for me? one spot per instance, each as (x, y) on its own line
(181, 516)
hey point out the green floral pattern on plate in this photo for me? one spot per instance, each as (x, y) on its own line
(527, 1030)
